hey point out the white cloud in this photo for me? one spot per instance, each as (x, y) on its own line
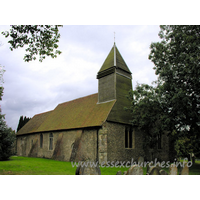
(35, 87)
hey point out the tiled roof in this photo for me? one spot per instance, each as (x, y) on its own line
(34, 123)
(115, 59)
(79, 113)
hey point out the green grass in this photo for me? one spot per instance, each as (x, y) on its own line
(41, 166)
(195, 169)
(35, 166)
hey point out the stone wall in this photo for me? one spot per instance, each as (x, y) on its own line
(105, 144)
(102, 145)
(113, 135)
(72, 145)
(116, 143)
(87, 148)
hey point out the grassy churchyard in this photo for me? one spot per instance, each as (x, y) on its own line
(41, 166)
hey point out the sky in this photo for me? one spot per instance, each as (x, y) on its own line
(35, 87)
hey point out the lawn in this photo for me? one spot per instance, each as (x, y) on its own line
(41, 166)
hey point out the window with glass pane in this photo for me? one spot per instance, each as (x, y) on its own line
(128, 137)
(41, 140)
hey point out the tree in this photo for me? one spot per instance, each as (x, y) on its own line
(22, 122)
(147, 114)
(7, 139)
(7, 135)
(176, 100)
(176, 59)
(41, 40)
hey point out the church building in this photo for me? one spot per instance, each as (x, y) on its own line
(91, 128)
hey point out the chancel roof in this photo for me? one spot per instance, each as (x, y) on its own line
(79, 113)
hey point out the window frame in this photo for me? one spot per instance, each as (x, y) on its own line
(128, 138)
(41, 140)
(50, 141)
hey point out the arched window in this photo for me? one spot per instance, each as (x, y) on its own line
(51, 141)
(41, 140)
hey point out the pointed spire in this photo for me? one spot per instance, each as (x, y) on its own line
(115, 56)
(114, 60)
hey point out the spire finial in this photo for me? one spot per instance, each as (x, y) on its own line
(114, 52)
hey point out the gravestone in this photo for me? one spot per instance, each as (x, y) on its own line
(158, 166)
(135, 170)
(184, 170)
(172, 169)
(119, 173)
(163, 172)
(154, 171)
(149, 166)
(77, 170)
(88, 170)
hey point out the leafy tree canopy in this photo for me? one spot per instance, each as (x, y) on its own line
(42, 40)
(7, 139)
(175, 99)
(7, 135)
(147, 113)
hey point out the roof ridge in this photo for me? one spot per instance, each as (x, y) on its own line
(78, 98)
(43, 113)
(78, 113)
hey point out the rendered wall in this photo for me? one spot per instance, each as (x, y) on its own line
(73, 145)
